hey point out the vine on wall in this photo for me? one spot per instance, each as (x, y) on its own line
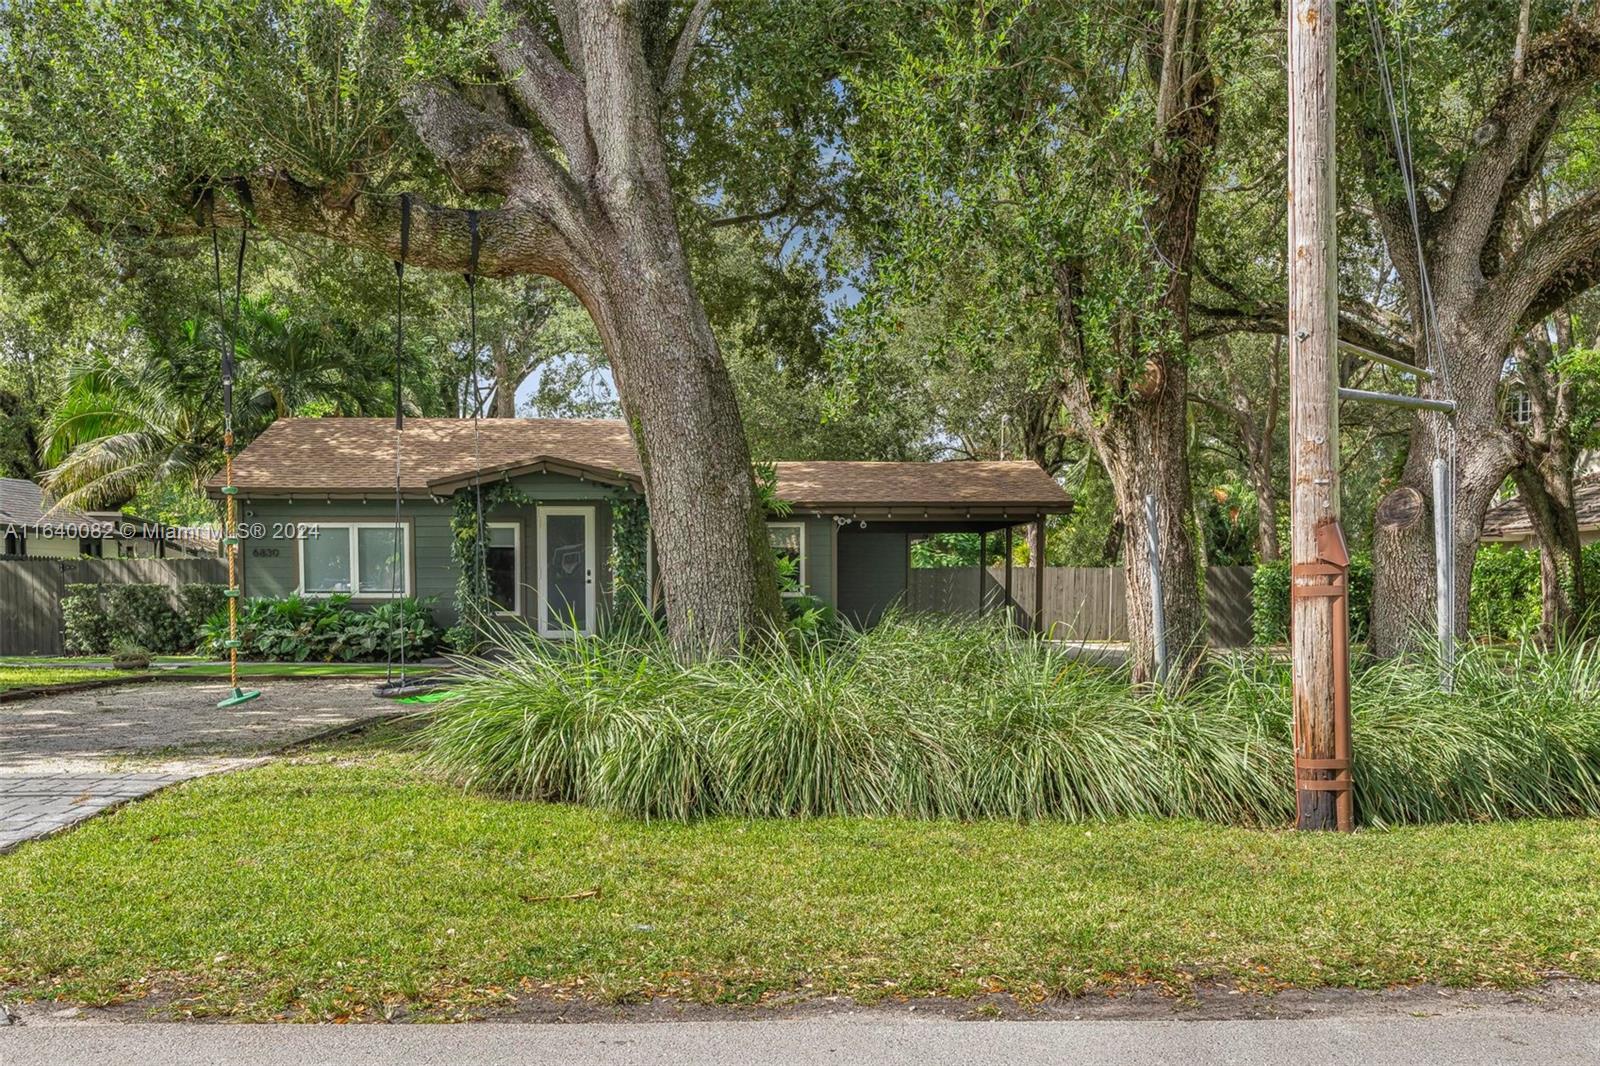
(469, 555)
(630, 539)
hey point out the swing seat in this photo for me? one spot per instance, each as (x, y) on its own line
(394, 690)
(239, 696)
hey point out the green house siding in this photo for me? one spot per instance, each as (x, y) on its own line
(271, 554)
(820, 558)
(872, 573)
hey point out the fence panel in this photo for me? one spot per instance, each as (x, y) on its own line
(1229, 608)
(31, 591)
(1080, 603)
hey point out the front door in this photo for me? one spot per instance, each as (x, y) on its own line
(566, 571)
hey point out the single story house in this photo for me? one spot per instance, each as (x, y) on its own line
(33, 527)
(317, 499)
(1508, 523)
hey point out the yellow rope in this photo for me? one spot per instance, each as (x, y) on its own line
(230, 535)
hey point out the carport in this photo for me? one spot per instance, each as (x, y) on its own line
(880, 513)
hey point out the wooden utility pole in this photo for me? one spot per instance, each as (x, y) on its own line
(1319, 602)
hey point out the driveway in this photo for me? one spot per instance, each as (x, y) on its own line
(68, 757)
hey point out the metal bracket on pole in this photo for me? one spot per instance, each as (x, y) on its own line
(1329, 577)
(1384, 360)
(1444, 573)
(1421, 402)
(1158, 612)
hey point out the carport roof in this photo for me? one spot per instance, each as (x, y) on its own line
(355, 456)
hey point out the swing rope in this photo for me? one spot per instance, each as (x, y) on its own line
(480, 551)
(230, 491)
(397, 583)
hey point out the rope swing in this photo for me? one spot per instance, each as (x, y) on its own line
(395, 683)
(230, 491)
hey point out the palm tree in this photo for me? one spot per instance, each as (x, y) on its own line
(130, 420)
(124, 423)
(293, 364)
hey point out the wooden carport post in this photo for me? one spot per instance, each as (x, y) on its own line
(1038, 577)
(1009, 615)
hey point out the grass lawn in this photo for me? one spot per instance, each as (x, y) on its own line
(12, 677)
(345, 878)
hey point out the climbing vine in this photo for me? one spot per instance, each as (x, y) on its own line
(630, 540)
(472, 582)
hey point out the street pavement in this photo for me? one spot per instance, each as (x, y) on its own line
(1490, 1040)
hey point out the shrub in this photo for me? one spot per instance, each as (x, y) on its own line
(197, 603)
(155, 618)
(300, 629)
(943, 720)
(1269, 596)
(143, 615)
(86, 628)
(1505, 601)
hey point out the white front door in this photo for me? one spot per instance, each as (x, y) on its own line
(566, 571)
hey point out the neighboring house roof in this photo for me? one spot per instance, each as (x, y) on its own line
(23, 503)
(1510, 521)
(345, 456)
(26, 505)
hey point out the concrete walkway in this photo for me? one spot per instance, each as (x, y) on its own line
(64, 758)
(1508, 1040)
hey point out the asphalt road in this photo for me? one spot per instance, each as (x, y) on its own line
(1546, 1039)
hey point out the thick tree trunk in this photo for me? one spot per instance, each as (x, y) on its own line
(1404, 591)
(506, 382)
(1547, 496)
(1146, 454)
(1267, 548)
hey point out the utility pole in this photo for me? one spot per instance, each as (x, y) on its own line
(1319, 600)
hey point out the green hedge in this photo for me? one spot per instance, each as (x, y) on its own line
(1505, 603)
(1269, 594)
(160, 619)
(301, 629)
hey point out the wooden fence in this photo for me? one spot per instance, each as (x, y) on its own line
(31, 591)
(1080, 603)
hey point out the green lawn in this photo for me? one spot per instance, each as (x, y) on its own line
(345, 878)
(12, 677)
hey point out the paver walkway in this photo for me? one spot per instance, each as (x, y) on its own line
(68, 757)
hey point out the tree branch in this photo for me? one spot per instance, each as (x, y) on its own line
(1560, 255)
(543, 84)
(683, 47)
(483, 153)
(1272, 321)
(1559, 66)
(515, 241)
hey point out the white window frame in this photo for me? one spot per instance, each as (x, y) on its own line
(517, 563)
(355, 560)
(805, 587)
(592, 565)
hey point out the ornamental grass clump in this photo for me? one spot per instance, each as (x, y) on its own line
(939, 719)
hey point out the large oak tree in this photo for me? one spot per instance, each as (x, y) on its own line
(312, 116)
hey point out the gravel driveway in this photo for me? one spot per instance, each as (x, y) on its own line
(65, 758)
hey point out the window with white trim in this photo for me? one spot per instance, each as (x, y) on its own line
(356, 559)
(788, 540)
(1521, 407)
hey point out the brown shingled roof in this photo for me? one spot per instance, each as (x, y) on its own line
(356, 455)
(1509, 521)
